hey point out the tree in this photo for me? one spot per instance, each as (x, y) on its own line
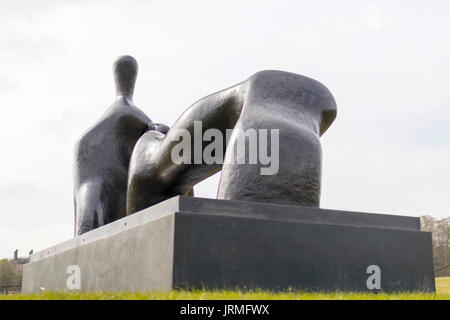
(427, 223)
(8, 276)
(441, 242)
(442, 238)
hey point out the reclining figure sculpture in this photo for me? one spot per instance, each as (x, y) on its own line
(296, 110)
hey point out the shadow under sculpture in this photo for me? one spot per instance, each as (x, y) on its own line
(299, 108)
(102, 154)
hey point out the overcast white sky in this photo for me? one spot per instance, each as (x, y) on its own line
(386, 62)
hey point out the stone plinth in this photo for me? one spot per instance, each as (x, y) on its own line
(192, 242)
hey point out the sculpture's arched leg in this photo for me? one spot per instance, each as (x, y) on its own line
(288, 113)
(299, 107)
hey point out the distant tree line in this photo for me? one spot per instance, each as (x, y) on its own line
(441, 243)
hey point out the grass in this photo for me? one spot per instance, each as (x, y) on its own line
(442, 293)
(443, 285)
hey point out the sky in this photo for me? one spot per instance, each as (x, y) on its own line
(386, 63)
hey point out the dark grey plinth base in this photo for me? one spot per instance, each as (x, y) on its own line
(192, 242)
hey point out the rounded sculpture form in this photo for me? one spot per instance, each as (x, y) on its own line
(102, 154)
(298, 110)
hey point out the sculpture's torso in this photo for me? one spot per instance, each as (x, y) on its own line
(102, 156)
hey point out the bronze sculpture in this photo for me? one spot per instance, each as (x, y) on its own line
(125, 163)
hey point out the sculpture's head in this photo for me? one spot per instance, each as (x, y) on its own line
(125, 72)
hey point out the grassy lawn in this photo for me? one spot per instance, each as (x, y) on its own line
(442, 293)
(443, 285)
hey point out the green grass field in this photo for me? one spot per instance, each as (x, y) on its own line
(442, 293)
